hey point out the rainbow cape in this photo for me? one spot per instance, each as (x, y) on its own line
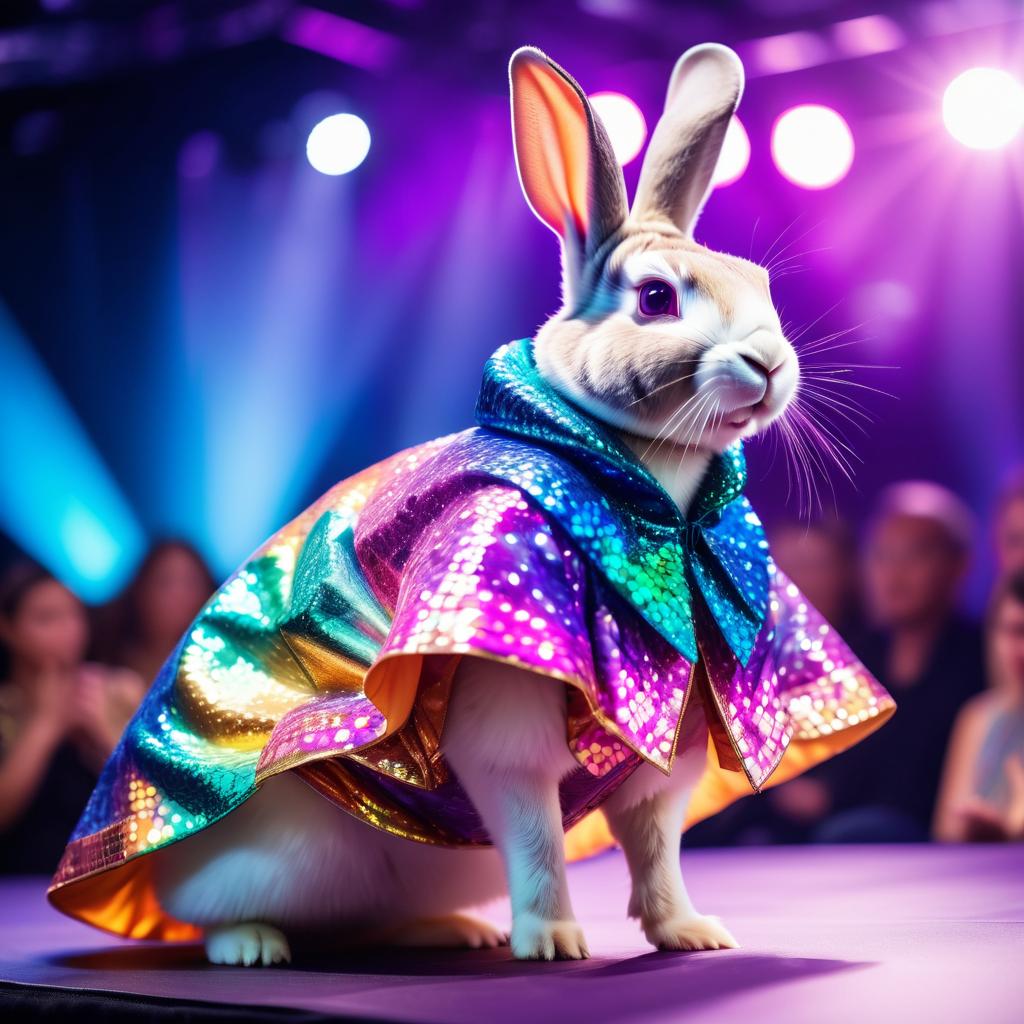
(536, 538)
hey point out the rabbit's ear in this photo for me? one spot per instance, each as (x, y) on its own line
(704, 90)
(567, 167)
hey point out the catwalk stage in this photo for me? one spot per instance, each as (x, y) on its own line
(829, 934)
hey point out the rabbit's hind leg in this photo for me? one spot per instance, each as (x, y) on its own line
(246, 944)
(286, 859)
(288, 862)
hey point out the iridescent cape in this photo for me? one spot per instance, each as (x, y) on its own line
(535, 538)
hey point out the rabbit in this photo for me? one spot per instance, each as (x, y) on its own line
(678, 349)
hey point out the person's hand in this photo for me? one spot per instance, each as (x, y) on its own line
(51, 707)
(984, 822)
(90, 711)
(1014, 767)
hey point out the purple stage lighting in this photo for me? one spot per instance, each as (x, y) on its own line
(338, 144)
(624, 122)
(983, 108)
(862, 37)
(735, 155)
(339, 38)
(812, 146)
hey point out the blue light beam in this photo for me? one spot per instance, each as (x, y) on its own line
(58, 501)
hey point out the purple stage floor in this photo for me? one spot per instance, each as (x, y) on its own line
(831, 934)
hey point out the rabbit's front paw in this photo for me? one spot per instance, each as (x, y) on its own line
(701, 931)
(535, 938)
(246, 944)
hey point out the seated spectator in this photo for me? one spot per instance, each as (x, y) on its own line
(982, 794)
(60, 717)
(1009, 526)
(141, 626)
(821, 559)
(927, 654)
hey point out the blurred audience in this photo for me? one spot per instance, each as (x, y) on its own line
(141, 626)
(60, 716)
(821, 559)
(982, 793)
(926, 652)
(1009, 526)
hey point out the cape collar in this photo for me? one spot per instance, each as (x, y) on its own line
(634, 532)
(516, 399)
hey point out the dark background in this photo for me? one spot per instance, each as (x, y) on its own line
(202, 334)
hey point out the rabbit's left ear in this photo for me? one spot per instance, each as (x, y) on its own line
(567, 167)
(704, 90)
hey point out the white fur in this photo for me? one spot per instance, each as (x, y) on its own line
(642, 265)
(290, 858)
(678, 470)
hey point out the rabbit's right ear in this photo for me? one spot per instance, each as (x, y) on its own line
(566, 163)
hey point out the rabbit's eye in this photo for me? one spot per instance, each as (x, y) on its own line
(658, 298)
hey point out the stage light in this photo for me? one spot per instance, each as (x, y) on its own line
(870, 34)
(338, 144)
(341, 39)
(983, 108)
(734, 157)
(812, 146)
(791, 51)
(624, 123)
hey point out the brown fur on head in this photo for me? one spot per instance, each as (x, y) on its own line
(658, 335)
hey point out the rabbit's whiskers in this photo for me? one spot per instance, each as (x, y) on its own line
(691, 409)
(710, 413)
(811, 430)
(662, 387)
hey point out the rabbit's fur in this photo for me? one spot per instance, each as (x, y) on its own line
(678, 387)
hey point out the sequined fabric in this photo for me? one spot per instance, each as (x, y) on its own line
(535, 538)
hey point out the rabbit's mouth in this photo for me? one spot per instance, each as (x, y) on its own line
(740, 418)
(726, 427)
(750, 388)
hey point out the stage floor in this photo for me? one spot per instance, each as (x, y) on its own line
(833, 934)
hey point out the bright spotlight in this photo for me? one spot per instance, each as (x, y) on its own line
(338, 144)
(983, 108)
(812, 146)
(734, 157)
(624, 123)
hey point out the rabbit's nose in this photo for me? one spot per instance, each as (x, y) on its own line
(757, 364)
(752, 368)
(742, 380)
